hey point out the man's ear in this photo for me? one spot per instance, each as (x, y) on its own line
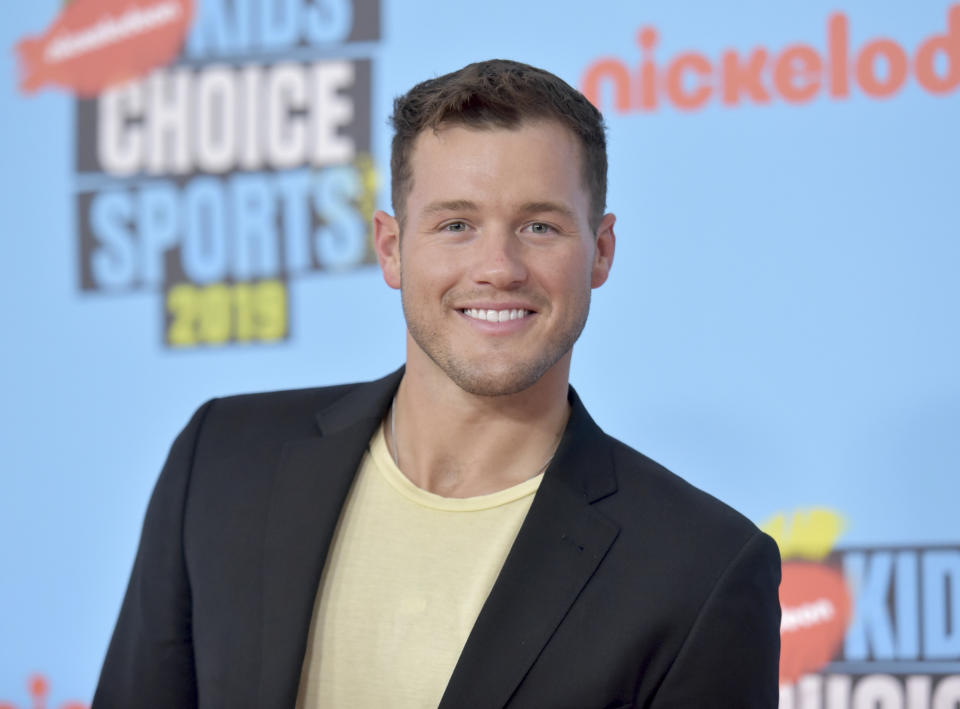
(606, 244)
(386, 241)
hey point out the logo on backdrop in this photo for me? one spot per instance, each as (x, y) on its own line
(797, 73)
(95, 44)
(39, 688)
(865, 626)
(241, 163)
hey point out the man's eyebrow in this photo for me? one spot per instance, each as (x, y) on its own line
(541, 207)
(453, 205)
(465, 205)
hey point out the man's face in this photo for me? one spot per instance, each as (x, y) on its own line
(497, 259)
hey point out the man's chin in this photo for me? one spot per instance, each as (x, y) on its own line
(491, 372)
(492, 380)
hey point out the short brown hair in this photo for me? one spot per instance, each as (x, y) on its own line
(498, 93)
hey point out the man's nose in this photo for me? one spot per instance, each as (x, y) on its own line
(499, 259)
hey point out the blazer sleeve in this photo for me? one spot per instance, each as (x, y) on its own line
(731, 655)
(150, 662)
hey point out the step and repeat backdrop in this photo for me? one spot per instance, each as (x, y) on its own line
(188, 187)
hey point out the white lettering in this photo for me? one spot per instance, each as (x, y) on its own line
(332, 109)
(947, 694)
(251, 131)
(120, 142)
(136, 20)
(878, 692)
(169, 122)
(216, 137)
(286, 132)
(221, 118)
(807, 615)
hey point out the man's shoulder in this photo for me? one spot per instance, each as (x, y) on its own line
(291, 410)
(648, 502)
(242, 437)
(676, 544)
(307, 399)
(649, 482)
(658, 506)
(699, 573)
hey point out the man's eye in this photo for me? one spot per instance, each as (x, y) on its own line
(540, 228)
(455, 227)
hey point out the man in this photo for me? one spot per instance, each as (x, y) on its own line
(459, 533)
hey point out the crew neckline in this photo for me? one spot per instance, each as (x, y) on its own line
(385, 464)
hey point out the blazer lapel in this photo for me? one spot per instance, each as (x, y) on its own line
(309, 489)
(559, 546)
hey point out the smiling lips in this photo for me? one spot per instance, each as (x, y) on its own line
(496, 315)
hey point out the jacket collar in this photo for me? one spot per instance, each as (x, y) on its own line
(367, 402)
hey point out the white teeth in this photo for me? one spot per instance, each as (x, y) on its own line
(495, 315)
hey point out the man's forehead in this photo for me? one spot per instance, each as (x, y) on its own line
(443, 148)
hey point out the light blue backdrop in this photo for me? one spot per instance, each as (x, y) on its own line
(781, 325)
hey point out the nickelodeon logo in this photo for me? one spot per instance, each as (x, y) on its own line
(39, 688)
(797, 73)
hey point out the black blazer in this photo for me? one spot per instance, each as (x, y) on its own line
(626, 586)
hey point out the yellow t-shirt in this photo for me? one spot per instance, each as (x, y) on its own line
(405, 578)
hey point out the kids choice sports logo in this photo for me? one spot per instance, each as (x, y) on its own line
(240, 164)
(796, 73)
(865, 626)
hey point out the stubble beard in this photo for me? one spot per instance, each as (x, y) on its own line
(481, 381)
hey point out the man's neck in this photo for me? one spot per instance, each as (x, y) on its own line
(457, 444)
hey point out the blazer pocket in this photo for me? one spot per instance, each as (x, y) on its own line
(628, 705)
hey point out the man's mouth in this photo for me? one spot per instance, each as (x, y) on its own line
(496, 315)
